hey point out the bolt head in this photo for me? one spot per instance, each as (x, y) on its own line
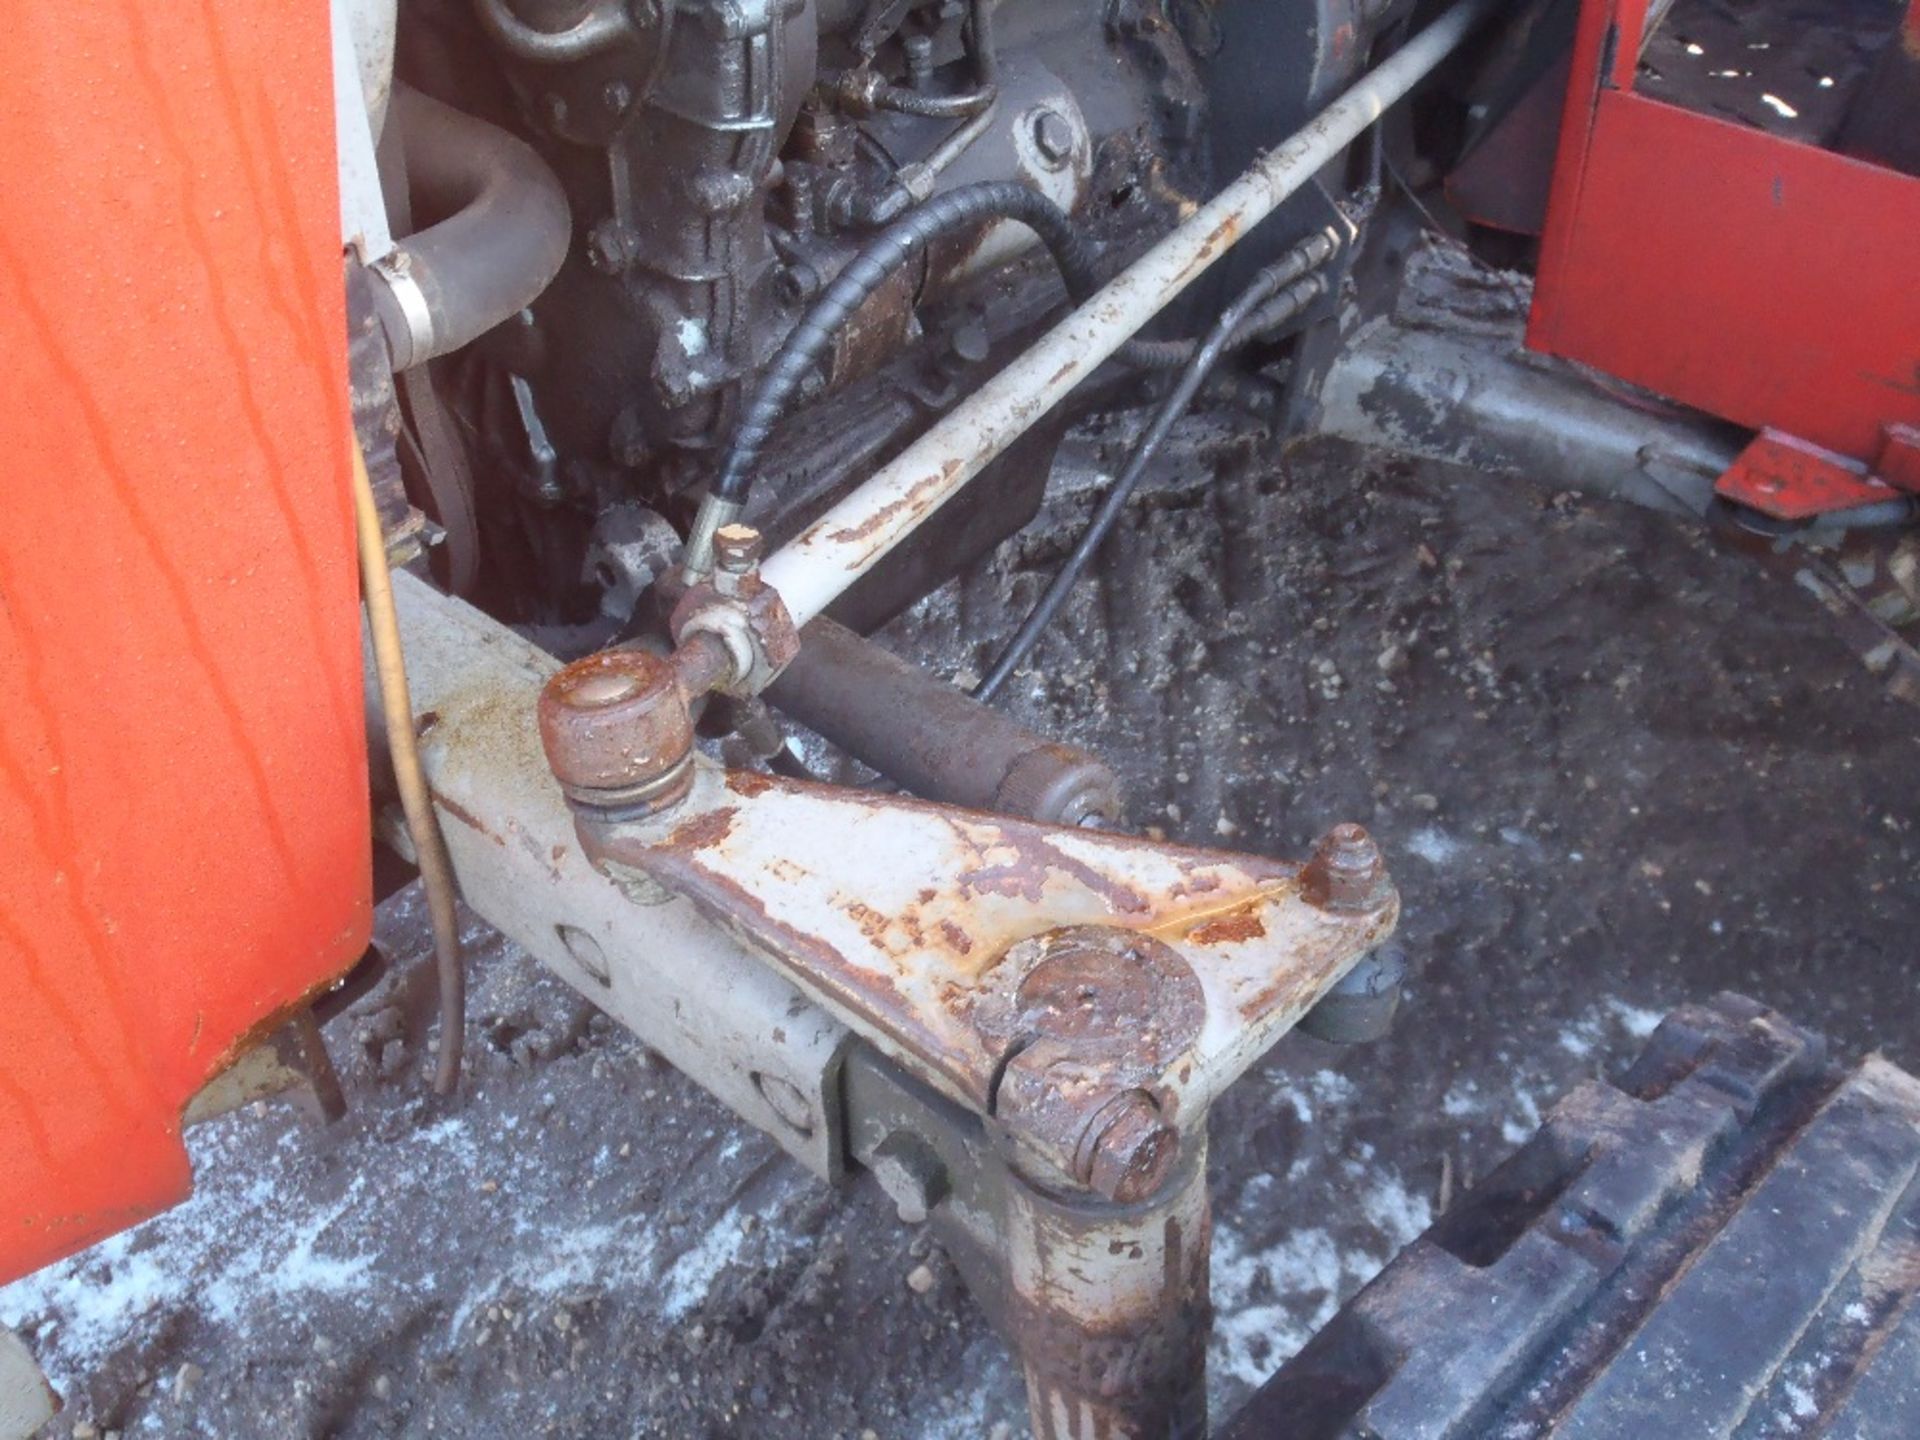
(1135, 1152)
(609, 247)
(1053, 137)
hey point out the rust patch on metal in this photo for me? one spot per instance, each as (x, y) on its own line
(1312, 970)
(748, 783)
(467, 818)
(703, 832)
(957, 939)
(1034, 859)
(1202, 883)
(1230, 929)
(914, 499)
(818, 966)
(1119, 1366)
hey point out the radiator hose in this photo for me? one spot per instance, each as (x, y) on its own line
(501, 237)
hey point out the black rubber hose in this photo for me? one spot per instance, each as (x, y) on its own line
(882, 257)
(507, 224)
(1294, 297)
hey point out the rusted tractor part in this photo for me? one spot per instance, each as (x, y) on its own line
(1083, 996)
(1105, 1304)
(292, 1060)
(1718, 1241)
(934, 739)
(1019, 1027)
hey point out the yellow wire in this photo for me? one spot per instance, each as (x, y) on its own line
(430, 847)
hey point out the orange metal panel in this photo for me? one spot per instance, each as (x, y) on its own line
(183, 827)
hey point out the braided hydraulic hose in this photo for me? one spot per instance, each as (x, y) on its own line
(893, 248)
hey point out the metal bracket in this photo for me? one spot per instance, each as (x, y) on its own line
(1049, 977)
(1047, 1012)
(1792, 479)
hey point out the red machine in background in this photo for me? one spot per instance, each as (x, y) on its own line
(183, 784)
(1769, 276)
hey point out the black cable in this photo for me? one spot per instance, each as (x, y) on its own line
(877, 262)
(1296, 292)
(1309, 255)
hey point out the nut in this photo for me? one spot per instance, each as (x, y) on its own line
(1134, 1152)
(736, 549)
(1346, 873)
(611, 247)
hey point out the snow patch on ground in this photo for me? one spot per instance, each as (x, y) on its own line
(257, 1242)
(1268, 1301)
(694, 1272)
(1397, 1212)
(1519, 1126)
(1306, 1095)
(1434, 845)
(1635, 1021)
(1462, 1100)
(961, 1415)
(247, 1240)
(1597, 1030)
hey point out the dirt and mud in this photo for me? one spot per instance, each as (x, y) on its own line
(1613, 766)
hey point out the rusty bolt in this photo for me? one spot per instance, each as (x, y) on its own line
(1346, 872)
(618, 731)
(1133, 1152)
(736, 549)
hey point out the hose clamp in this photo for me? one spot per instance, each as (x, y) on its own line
(405, 317)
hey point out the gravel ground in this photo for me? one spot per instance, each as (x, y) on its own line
(1614, 768)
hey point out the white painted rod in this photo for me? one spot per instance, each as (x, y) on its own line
(812, 570)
